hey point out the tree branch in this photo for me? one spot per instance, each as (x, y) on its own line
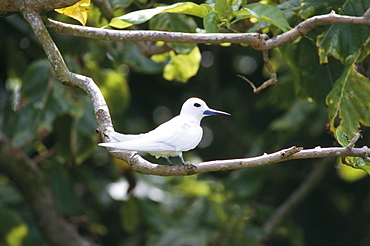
(35, 188)
(271, 81)
(138, 164)
(256, 40)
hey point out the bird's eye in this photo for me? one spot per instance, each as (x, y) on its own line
(196, 105)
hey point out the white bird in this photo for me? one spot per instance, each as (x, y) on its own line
(181, 133)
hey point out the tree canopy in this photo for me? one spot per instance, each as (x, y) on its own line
(293, 74)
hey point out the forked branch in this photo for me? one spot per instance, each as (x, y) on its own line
(271, 81)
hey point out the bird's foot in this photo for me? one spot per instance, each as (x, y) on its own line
(189, 166)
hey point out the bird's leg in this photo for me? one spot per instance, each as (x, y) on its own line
(182, 159)
(169, 161)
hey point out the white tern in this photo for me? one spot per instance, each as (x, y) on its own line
(181, 133)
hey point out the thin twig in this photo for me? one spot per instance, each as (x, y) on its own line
(44, 156)
(271, 81)
(354, 139)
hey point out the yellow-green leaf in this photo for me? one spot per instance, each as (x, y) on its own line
(141, 16)
(78, 11)
(349, 174)
(182, 66)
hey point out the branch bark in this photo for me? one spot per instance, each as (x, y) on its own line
(256, 40)
(139, 164)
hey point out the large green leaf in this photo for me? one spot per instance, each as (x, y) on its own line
(141, 16)
(349, 100)
(310, 8)
(264, 12)
(341, 41)
(315, 80)
(134, 58)
(175, 23)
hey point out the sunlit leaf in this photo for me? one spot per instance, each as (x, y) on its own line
(13, 230)
(141, 16)
(182, 66)
(349, 174)
(16, 235)
(77, 11)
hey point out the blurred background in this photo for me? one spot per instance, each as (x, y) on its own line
(113, 205)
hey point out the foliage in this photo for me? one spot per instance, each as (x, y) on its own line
(324, 73)
(77, 11)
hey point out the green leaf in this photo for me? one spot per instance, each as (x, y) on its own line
(211, 22)
(223, 8)
(340, 41)
(182, 67)
(175, 23)
(310, 8)
(46, 99)
(141, 16)
(265, 12)
(135, 59)
(358, 163)
(13, 229)
(349, 99)
(314, 81)
(355, 162)
(342, 137)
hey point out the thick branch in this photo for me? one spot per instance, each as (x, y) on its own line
(140, 165)
(34, 186)
(8, 7)
(257, 41)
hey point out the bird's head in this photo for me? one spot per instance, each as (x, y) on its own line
(197, 108)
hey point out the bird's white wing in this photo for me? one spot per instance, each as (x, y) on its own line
(178, 134)
(124, 137)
